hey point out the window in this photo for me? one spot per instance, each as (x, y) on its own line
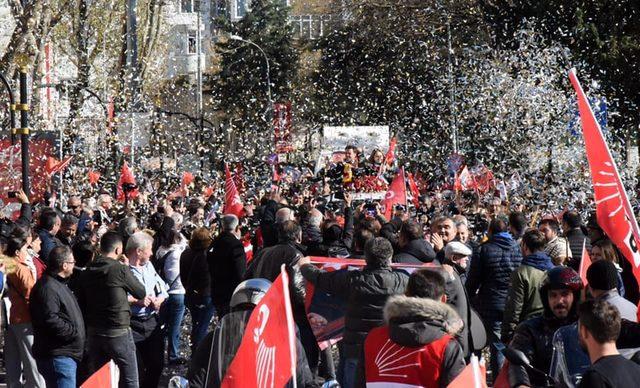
(241, 8)
(188, 6)
(191, 43)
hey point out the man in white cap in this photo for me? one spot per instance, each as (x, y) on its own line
(457, 255)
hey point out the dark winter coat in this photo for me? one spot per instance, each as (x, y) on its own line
(576, 240)
(489, 275)
(227, 265)
(534, 338)
(102, 290)
(267, 265)
(194, 272)
(58, 326)
(365, 293)
(415, 252)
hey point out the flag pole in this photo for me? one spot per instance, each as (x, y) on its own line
(290, 324)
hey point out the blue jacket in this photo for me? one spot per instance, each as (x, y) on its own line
(490, 273)
(48, 243)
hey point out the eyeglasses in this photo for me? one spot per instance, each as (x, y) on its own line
(74, 206)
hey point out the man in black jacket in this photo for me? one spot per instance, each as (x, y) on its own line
(572, 227)
(365, 293)
(58, 328)
(102, 295)
(227, 264)
(414, 249)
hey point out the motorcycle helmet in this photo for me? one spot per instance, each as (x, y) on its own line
(249, 291)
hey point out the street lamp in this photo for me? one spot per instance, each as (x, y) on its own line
(236, 37)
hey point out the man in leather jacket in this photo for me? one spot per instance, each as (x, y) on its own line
(559, 291)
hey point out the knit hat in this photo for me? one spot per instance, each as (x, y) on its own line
(602, 275)
(456, 248)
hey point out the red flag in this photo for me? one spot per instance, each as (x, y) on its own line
(238, 178)
(232, 202)
(94, 177)
(54, 166)
(391, 152)
(105, 377)
(187, 179)
(207, 192)
(473, 375)
(415, 193)
(613, 211)
(584, 263)
(267, 354)
(396, 195)
(126, 178)
(502, 380)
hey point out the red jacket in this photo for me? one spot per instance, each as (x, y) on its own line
(416, 348)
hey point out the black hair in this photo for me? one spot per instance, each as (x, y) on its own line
(411, 230)
(601, 319)
(572, 218)
(534, 240)
(48, 219)
(552, 223)
(498, 225)
(14, 244)
(378, 252)
(426, 283)
(57, 257)
(518, 222)
(361, 237)
(109, 242)
(83, 252)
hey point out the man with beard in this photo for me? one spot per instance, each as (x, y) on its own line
(559, 291)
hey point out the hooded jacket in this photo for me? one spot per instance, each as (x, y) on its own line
(490, 275)
(523, 301)
(419, 334)
(415, 252)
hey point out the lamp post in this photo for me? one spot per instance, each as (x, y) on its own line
(236, 37)
(23, 131)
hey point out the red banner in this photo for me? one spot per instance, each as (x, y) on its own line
(614, 213)
(396, 195)
(415, 193)
(267, 354)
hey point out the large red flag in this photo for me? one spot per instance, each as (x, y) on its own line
(415, 193)
(54, 165)
(127, 178)
(473, 375)
(267, 354)
(502, 380)
(396, 195)
(105, 377)
(232, 202)
(584, 263)
(614, 213)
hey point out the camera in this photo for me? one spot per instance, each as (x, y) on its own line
(12, 194)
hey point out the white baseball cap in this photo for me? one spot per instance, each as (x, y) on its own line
(456, 248)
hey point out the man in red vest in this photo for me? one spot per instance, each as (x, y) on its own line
(417, 346)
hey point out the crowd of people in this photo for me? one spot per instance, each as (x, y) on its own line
(88, 279)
